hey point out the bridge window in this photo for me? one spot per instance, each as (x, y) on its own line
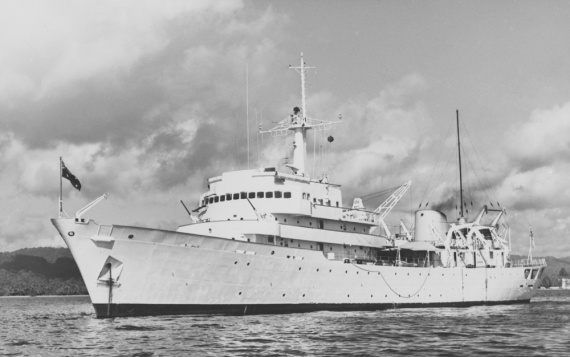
(251, 195)
(337, 203)
(304, 196)
(287, 194)
(260, 195)
(222, 198)
(243, 195)
(211, 200)
(236, 196)
(278, 194)
(269, 194)
(308, 196)
(216, 198)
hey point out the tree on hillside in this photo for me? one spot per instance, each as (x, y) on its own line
(563, 273)
(546, 282)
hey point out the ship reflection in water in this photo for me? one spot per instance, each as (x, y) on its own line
(57, 326)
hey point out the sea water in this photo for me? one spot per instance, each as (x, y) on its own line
(66, 326)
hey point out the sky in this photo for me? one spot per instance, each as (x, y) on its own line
(145, 100)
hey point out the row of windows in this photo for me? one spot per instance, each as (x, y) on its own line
(244, 195)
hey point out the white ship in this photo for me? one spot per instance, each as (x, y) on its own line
(268, 241)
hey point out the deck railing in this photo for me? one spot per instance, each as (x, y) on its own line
(385, 261)
(529, 263)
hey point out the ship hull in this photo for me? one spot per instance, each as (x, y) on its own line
(132, 271)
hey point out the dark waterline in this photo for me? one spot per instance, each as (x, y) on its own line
(66, 326)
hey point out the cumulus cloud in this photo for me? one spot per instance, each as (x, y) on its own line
(144, 101)
(541, 141)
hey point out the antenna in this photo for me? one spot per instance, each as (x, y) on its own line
(299, 123)
(302, 71)
(247, 109)
(460, 176)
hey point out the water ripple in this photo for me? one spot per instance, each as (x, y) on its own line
(67, 326)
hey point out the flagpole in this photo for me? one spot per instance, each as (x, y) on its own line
(60, 188)
(530, 239)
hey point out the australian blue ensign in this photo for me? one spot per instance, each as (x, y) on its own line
(65, 173)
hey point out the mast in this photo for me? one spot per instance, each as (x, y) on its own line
(60, 188)
(303, 101)
(299, 123)
(460, 175)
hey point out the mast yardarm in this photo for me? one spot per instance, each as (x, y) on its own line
(299, 122)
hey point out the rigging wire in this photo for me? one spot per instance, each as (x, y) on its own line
(480, 163)
(437, 161)
(377, 194)
(451, 153)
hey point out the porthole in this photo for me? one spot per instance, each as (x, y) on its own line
(348, 295)
(131, 236)
(248, 264)
(317, 270)
(235, 262)
(310, 223)
(239, 293)
(71, 233)
(299, 268)
(283, 295)
(303, 295)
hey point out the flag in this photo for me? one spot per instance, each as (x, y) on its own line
(68, 175)
(531, 237)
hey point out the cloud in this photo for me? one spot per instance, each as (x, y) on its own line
(541, 141)
(56, 43)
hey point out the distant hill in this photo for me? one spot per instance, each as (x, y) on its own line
(40, 271)
(48, 253)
